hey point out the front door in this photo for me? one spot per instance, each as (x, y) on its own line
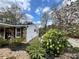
(7, 33)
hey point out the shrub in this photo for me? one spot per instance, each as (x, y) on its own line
(16, 41)
(35, 50)
(54, 42)
(12, 42)
(3, 42)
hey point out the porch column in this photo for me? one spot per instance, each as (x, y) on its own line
(15, 32)
(4, 33)
(22, 32)
(26, 33)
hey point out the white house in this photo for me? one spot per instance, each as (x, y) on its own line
(32, 31)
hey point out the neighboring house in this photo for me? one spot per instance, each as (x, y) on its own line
(9, 30)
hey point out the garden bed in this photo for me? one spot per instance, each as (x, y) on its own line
(18, 52)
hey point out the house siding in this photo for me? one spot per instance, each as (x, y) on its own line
(31, 33)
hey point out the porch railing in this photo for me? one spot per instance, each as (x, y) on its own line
(8, 21)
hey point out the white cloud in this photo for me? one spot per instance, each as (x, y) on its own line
(29, 17)
(37, 22)
(24, 4)
(22, 0)
(38, 11)
(26, 18)
(46, 9)
(7, 1)
(4, 3)
(49, 22)
(29, 9)
(65, 2)
(73, 0)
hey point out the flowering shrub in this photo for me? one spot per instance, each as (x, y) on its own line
(54, 42)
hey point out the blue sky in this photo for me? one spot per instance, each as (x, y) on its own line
(35, 8)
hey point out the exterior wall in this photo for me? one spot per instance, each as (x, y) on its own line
(28, 33)
(31, 32)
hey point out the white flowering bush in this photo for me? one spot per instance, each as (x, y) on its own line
(54, 42)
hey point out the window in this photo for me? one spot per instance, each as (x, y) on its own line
(34, 30)
(18, 31)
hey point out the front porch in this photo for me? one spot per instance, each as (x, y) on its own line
(11, 32)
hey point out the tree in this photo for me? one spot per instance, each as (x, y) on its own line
(12, 14)
(44, 21)
(67, 16)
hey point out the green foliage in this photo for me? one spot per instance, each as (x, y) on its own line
(12, 42)
(3, 42)
(54, 42)
(41, 31)
(16, 41)
(35, 50)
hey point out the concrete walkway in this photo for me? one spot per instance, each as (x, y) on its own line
(74, 42)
